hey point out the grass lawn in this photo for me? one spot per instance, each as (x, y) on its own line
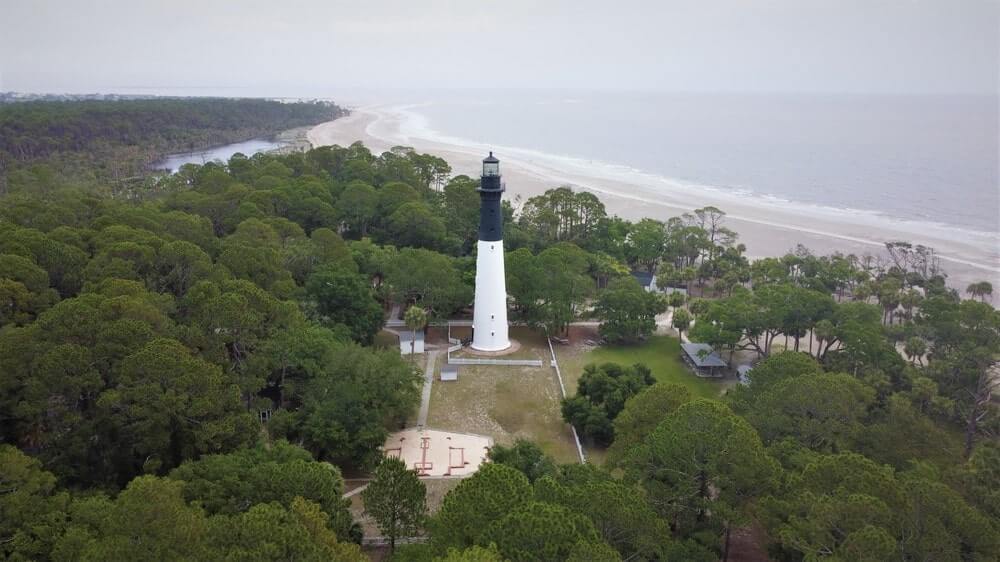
(506, 402)
(660, 353)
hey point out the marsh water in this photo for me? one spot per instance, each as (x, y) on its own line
(221, 153)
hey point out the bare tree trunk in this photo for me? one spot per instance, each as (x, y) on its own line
(826, 350)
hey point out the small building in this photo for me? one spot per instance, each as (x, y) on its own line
(449, 372)
(672, 290)
(703, 360)
(406, 337)
(646, 280)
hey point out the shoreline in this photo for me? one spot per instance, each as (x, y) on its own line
(767, 228)
(292, 140)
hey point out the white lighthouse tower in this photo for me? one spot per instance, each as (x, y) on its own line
(489, 320)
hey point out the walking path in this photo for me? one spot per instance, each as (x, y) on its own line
(665, 322)
(355, 491)
(394, 321)
(425, 397)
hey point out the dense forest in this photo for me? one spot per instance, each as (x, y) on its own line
(186, 373)
(115, 140)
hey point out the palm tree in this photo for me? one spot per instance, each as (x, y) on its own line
(985, 289)
(864, 291)
(415, 318)
(681, 320)
(982, 290)
(887, 294)
(909, 300)
(825, 332)
(915, 348)
(697, 307)
(687, 275)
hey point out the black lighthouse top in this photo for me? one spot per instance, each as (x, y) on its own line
(490, 192)
(491, 174)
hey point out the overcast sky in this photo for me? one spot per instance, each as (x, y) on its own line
(322, 47)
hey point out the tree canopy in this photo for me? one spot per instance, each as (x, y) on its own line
(165, 339)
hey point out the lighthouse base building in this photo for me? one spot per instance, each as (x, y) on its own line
(489, 321)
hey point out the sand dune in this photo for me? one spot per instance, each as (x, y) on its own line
(766, 227)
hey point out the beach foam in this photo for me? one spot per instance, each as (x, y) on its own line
(415, 128)
(768, 225)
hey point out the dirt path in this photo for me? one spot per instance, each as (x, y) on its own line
(425, 397)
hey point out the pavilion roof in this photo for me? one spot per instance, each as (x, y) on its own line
(702, 355)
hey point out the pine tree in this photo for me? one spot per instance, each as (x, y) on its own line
(396, 499)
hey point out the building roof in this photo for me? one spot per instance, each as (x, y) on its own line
(490, 159)
(702, 355)
(405, 336)
(644, 278)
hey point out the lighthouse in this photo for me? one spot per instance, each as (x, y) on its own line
(489, 320)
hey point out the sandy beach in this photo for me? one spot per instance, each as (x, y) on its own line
(767, 229)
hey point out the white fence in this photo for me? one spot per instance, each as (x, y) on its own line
(508, 362)
(457, 345)
(562, 388)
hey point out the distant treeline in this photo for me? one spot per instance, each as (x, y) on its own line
(117, 139)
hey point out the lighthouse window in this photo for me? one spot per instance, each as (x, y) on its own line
(491, 245)
(493, 333)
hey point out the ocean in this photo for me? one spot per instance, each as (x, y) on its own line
(917, 158)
